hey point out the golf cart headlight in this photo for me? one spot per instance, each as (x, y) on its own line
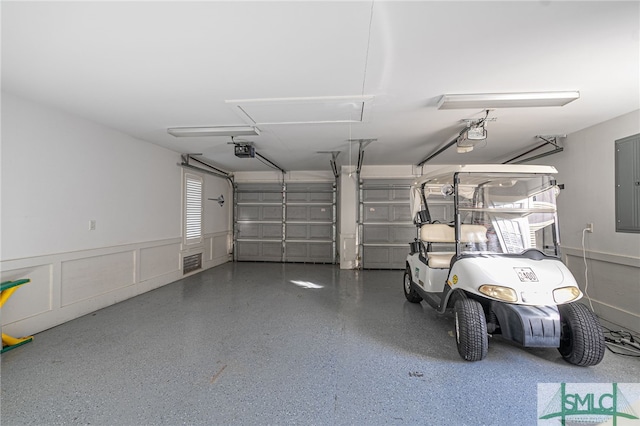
(498, 292)
(565, 294)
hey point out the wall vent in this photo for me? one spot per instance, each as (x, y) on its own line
(191, 263)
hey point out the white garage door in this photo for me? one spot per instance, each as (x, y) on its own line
(386, 223)
(285, 223)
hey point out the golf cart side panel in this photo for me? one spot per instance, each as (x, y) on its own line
(429, 283)
(530, 326)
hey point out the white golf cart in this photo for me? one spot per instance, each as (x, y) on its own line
(488, 248)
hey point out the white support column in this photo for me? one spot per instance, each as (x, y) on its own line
(348, 217)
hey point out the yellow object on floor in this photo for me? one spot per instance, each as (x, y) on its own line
(7, 288)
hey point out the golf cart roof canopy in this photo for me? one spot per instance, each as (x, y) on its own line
(445, 174)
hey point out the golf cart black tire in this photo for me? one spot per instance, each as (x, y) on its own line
(582, 341)
(471, 329)
(411, 294)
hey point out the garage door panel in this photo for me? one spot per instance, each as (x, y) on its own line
(259, 231)
(272, 197)
(309, 252)
(297, 232)
(243, 197)
(272, 231)
(309, 231)
(401, 212)
(320, 213)
(297, 197)
(259, 251)
(271, 213)
(310, 192)
(375, 194)
(322, 232)
(403, 234)
(248, 230)
(376, 213)
(386, 223)
(297, 213)
(272, 249)
(375, 234)
(258, 193)
(321, 252)
(248, 212)
(296, 252)
(256, 213)
(385, 257)
(385, 190)
(383, 234)
(248, 250)
(387, 213)
(318, 197)
(310, 213)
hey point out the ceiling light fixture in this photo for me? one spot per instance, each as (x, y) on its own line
(507, 100)
(183, 132)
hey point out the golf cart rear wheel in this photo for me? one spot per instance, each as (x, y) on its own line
(411, 295)
(582, 341)
(471, 329)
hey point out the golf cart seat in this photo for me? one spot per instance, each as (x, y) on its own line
(443, 233)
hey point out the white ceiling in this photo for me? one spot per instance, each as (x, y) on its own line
(142, 67)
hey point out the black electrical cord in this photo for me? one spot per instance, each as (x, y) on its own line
(623, 333)
(617, 339)
(609, 343)
(484, 119)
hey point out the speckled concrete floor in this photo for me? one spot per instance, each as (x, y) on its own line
(256, 343)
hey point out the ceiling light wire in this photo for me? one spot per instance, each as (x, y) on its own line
(482, 122)
(366, 59)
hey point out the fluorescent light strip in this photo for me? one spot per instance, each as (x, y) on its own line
(183, 132)
(507, 100)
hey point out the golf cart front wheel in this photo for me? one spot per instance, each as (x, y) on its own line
(411, 295)
(471, 329)
(582, 341)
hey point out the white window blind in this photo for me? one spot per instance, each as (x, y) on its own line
(193, 209)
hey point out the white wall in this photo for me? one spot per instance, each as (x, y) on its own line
(59, 172)
(586, 168)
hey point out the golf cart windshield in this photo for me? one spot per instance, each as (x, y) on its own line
(518, 210)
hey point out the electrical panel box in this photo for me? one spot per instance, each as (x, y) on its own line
(245, 151)
(628, 184)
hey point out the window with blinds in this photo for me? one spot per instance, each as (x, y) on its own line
(193, 209)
